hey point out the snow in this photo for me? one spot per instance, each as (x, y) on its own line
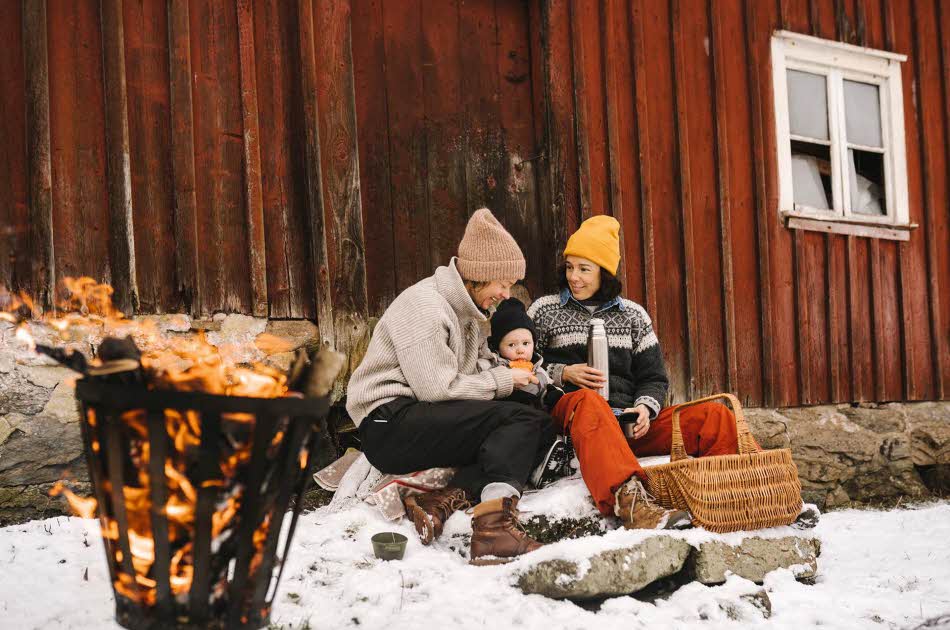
(877, 569)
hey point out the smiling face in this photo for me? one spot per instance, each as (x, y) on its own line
(583, 277)
(490, 294)
(517, 344)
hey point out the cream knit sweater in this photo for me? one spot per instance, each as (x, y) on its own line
(426, 346)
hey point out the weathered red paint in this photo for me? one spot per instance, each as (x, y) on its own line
(380, 126)
(14, 219)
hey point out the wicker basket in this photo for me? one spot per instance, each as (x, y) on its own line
(727, 493)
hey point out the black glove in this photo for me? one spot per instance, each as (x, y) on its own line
(552, 394)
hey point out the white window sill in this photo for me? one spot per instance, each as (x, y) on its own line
(848, 225)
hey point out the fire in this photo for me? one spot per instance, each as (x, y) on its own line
(187, 363)
(83, 507)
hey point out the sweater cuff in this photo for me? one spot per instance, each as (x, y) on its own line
(503, 382)
(555, 371)
(651, 404)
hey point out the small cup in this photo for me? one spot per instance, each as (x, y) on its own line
(389, 545)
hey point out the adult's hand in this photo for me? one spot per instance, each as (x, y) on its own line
(522, 378)
(583, 375)
(642, 424)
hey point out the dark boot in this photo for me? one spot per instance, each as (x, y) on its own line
(554, 465)
(497, 535)
(430, 510)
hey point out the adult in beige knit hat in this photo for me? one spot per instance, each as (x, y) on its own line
(488, 252)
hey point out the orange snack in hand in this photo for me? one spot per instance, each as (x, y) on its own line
(521, 364)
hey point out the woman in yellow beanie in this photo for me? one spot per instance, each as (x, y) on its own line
(637, 383)
(420, 402)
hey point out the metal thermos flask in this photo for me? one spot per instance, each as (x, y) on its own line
(597, 353)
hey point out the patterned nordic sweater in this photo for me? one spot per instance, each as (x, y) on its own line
(637, 373)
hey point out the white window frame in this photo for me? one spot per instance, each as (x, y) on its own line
(837, 62)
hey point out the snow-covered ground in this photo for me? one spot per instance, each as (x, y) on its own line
(878, 569)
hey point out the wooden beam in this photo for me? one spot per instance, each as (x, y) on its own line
(121, 234)
(581, 128)
(341, 183)
(253, 195)
(725, 198)
(36, 71)
(640, 62)
(929, 118)
(680, 97)
(183, 156)
(315, 208)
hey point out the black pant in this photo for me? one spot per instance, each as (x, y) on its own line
(487, 440)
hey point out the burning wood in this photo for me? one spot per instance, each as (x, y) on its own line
(191, 491)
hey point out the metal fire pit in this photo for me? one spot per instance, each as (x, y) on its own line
(231, 585)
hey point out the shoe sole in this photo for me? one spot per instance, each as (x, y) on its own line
(538, 479)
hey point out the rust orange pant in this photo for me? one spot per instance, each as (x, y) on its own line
(608, 458)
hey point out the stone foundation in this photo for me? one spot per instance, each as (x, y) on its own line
(845, 454)
(40, 442)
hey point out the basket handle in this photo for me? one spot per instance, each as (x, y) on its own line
(746, 441)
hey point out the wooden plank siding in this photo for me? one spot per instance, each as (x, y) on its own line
(313, 159)
(15, 173)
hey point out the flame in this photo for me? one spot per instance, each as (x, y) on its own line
(83, 507)
(23, 336)
(182, 363)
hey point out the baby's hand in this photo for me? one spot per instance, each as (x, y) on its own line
(522, 378)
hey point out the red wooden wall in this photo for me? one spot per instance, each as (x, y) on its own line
(672, 107)
(311, 159)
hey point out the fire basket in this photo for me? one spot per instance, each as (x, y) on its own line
(192, 491)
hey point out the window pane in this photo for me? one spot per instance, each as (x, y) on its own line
(811, 175)
(866, 173)
(807, 104)
(862, 107)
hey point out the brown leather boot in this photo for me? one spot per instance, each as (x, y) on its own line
(636, 509)
(430, 510)
(497, 535)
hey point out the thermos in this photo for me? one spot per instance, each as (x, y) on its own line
(597, 353)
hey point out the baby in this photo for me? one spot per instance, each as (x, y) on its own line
(511, 343)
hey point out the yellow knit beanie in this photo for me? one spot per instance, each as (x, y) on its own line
(488, 252)
(597, 240)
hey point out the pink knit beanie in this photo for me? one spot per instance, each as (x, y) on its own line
(488, 252)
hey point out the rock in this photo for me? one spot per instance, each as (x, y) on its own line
(769, 427)
(24, 503)
(754, 558)
(297, 332)
(760, 600)
(46, 376)
(854, 454)
(610, 573)
(280, 361)
(7, 361)
(8, 424)
(235, 339)
(62, 404)
(40, 449)
(18, 395)
(929, 427)
(206, 325)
